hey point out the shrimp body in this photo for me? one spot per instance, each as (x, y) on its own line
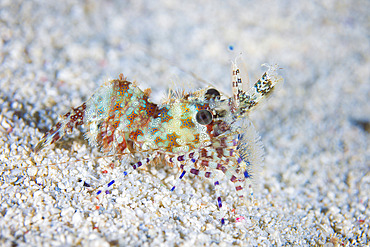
(201, 132)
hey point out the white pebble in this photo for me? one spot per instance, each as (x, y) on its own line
(32, 171)
(77, 219)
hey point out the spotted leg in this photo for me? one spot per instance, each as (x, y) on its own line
(206, 164)
(204, 171)
(231, 172)
(129, 170)
(184, 163)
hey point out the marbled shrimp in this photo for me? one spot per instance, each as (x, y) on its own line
(202, 132)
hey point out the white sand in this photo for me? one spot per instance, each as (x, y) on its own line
(315, 184)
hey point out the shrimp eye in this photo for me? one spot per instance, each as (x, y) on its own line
(204, 117)
(212, 94)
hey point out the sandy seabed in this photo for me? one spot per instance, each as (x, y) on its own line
(315, 183)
